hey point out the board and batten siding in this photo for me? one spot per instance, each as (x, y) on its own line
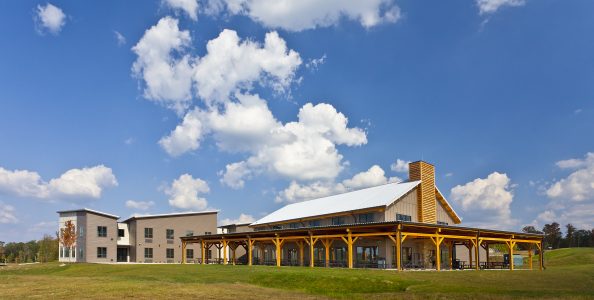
(443, 215)
(407, 205)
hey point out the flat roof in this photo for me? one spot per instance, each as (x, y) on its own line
(88, 210)
(206, 212)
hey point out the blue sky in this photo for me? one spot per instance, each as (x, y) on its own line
(294, 101)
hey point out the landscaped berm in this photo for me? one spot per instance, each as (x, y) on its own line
(569, 274)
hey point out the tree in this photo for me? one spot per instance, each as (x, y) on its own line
(569, 235)
(582, 238)
(68, 235)
(531, 229)
(48, 249)
(552, 234)
(2, 251)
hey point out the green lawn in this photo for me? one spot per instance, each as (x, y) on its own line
(570, 274)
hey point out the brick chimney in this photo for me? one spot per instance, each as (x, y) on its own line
(426, 198)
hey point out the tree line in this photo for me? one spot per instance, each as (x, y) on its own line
(44, 250)
(554, 239)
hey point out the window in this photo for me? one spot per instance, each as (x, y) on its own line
(209, 254)
(207, 233)
(442, 223)
(170, 253)
(80, 253)
(189, 233)
(169, 233)
(66, 252)
(102, 231)
(314, 223)
(148, 252)
(190, 253)
(404, 218)
(121, 233)
(148, 233)
(337, 220)
(61, 252)
(73, 252)
(294, 225)
(277, 227)
(81, 231)
(365, 218)
(101, 252)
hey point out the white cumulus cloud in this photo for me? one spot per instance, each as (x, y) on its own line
(164, 65)
(74, 183)
(242, 219)
(400, 166)
(296, 192)
(49, 18)
(232, 65)
(571, 199)
(186, 136)
(306, 149)
(309, 14)
(185, 193)
(141, 205)
(486, 201)
(7, 214)
(491, 6)
(188, 6)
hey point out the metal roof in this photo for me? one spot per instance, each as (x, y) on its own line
(377, 196)
(88, 210)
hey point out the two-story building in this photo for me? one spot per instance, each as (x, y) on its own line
(152, 238)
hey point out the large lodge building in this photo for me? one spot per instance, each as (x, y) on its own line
(407, 225)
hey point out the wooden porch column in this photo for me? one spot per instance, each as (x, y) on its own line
(184, 252)
(202, 250)
(311, 251)
(477, 253)
(399, 248)
(540, 255)
(510, 246)
(277, 243)
(250, 245)
(225, 249)
(327, 243)
(350, 241)
(437, 241)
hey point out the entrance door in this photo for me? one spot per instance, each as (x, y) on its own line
(122, 255)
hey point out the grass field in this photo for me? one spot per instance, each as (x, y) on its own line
(569, 274)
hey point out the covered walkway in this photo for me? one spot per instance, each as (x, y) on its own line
(374, 245)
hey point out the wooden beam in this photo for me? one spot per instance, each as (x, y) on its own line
(250, 247)
(477, 254)
(311, 251)
(202, 248)
(183, 252)
(225, 244)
